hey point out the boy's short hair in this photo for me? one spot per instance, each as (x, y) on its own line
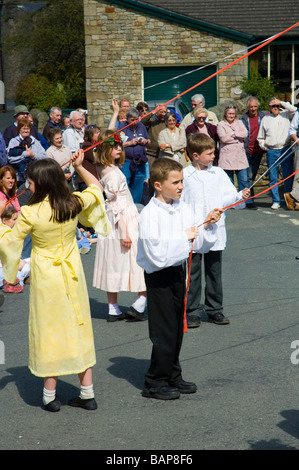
(161, 168)
(8, 213)
(199, 143)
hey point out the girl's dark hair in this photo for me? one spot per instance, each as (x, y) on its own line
(49, 180)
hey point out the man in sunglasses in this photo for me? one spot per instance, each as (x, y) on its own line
(273, 137)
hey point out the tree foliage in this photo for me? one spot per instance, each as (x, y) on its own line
(36, 91)
(262, 88)
(53, 44)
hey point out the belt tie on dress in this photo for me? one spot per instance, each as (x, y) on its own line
(67, 269)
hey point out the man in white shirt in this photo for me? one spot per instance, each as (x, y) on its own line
(73, 136)
(273, 137)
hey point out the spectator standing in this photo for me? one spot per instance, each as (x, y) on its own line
(154, 125)
(292, 198)
(273, 137)
(11, 131)
(200, 125)
(198, 101)
(252, 120)
(65, 122)
(60, 152)
(232, 155)
(73, 136)
(3, 156)
(91, 136)
(172, 140)
(24, 148)
(8, 186)
(54, 121)
(135, 141)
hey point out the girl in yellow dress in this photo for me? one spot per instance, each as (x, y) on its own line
(60, 330)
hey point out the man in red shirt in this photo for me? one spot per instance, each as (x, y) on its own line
(251, 120)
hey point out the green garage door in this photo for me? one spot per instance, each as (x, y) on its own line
(169, 90)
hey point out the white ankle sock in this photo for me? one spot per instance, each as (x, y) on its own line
(48, 396)
(86, 392)
(140, 304)
(114, 309)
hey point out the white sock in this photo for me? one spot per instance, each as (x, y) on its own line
(48, 396)
(86, 392)
(114, 309)
(140, 304)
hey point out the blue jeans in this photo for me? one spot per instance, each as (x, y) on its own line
(254, 164)
(135, 180)
(242, 177)
(287, 169)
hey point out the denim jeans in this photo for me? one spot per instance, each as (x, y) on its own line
(135, 180)
(242, 177)
(287, 169)
(254, 164)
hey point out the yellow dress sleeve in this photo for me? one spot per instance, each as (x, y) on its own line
(93, 212)
(11, 244)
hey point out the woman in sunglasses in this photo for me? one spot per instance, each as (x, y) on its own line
(201, 125)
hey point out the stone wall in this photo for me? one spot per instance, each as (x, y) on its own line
(120, 43)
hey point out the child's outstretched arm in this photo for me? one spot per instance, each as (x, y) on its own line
(88, 178)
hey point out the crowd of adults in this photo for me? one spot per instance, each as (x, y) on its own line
(240, 142)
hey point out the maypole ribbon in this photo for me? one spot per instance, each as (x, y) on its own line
(198, 84)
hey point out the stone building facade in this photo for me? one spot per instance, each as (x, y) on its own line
(120, 42)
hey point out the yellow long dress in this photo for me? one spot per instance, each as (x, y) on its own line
(60, 330)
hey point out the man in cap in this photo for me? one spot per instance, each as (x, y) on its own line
(11, 131)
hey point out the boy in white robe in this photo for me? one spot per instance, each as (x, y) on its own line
(166, 228)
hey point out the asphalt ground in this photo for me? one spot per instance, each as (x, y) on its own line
(247, 395)
(246, 372)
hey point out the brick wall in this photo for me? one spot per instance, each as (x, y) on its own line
(120, 42)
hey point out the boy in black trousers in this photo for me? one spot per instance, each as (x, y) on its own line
(166, 228)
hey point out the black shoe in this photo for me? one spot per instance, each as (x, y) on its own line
(193, 321)
(112, 318)
(132, 313)
(88, 404)
(2, 298)
(185, 387)
(53, 405)
(251, 206)
(219, 319)
(165, 392)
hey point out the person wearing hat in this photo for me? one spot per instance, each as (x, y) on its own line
(11, 131)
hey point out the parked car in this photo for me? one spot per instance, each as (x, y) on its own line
(177, 106)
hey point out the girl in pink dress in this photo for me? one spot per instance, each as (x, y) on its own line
(115, 266)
